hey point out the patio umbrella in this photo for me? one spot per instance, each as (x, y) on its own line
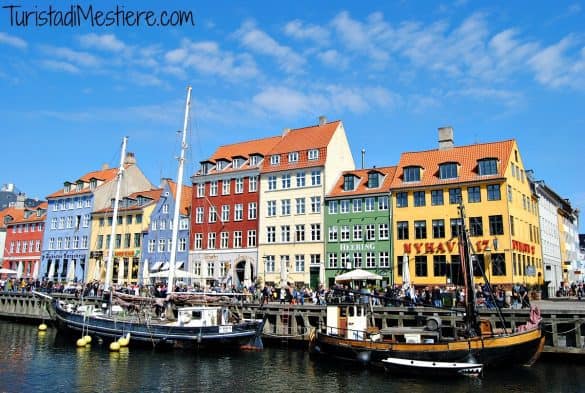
(357, 275)
(97, 272)
(19, 270)
(247, 274)
(408, 290)
(70, 270)
(178, 273)
(7, 271)
(51, 270)
(283, 272)
(36, 270)
(120, 270)
(145, 272)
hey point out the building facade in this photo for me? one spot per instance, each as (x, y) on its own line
(358, 226)
(224, 219)
(294, 179)
(66, 240)
(157, 241)
(501, 214)
(132, 222)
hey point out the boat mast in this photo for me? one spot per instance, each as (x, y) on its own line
(175, 233)
(467, 267)
(115, 217)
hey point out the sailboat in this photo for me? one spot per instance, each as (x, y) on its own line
(433, 348)
(194, 325)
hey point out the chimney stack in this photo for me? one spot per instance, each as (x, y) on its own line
(130, 159)
(20, 198)
(446, 138)
(322, 120)
(285, 131)
(105, 166)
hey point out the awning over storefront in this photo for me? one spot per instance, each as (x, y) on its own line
(156, 267)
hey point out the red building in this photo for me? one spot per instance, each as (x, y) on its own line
(224, 215)
(24, 235)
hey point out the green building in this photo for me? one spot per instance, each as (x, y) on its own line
(358, 225)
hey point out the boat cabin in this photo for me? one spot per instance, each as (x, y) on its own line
(349, 321)
(201, 316)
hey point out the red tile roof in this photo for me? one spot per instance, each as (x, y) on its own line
(186, 194)
(104, 175)
(244, 149)
(153, 194)
(361, 189)
(16, 214)
(466, 156)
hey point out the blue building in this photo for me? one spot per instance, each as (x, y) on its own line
(156, 245)
(65, 250)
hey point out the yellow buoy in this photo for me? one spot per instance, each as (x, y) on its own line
(87, 339)
(81, 342)
(124, 340)
(114, 346)
(42, 327)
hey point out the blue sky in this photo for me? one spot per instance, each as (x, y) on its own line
(392, 71)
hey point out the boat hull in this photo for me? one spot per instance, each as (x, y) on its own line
(156, 333)
(515, 349)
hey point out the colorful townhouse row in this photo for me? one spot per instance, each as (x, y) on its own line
(294, 209)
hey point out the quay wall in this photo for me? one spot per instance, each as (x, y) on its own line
(564, 327)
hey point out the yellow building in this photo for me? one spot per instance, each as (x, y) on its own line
(501, 214)
(133, 219)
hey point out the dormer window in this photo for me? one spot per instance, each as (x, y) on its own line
(412, 173)
(313, 154)
(237, 162)
(488, 166)
(67, 187)
(222, 164)
(92, 184)
(293, 157)
(348, 183)
(255, 159)
(448, 170)
(39, 212)
(79, 186)
(275, 159)
(373, 180)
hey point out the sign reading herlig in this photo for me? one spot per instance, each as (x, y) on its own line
(77, 15)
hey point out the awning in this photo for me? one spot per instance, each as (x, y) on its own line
(178, 274)
(179, 264)
(357, 275)
(156, 267)
(165, 266)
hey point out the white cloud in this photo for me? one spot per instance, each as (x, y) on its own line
(507, 97)
(360, 37)
(258, 41)
(297, 29)
(145, 79)
(75, 57)
(107, 42)
(333, 58)
(13, 41)
(555, 68)
(56, 65)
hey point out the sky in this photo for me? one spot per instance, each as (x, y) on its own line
(392, 71)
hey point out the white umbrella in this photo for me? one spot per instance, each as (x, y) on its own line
(178, 274)
(51, 270)
(120, 270)
(97, 273)
(408, 290)
(70, 270)
(19, 270)
(7, 271)
(145, 272)
(247, 273)
(283, 272)
(36, 270)
(357, 275)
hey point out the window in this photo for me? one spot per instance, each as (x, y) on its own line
(455, 227)
(300, 232)
(137, 239)
(212, 214)
(478, 264)
(252, 211)
(373, 180)
(285, 207)
(271, 182)
(419, 198)
(493, 192)
(237, 162)
(254, 160)
(512, 231)
(269, 263)
(358, 233)
(92, 184)
(182, 244)
(274, 160)
(420, 229)
(237, 239)
(420, 266)
(348, 183)
(488, 166)
(213, 188)
(225, 213)
(127, 238)
(454, 196)
(69, 222)
(332, 233)
(253, 184)
(199, 215)
(412, 173)
(344, 206)
(211, 240)
(198, 241)
(440, 265)
(165, 208)
(239, 185)
(383, 231)
(184, 223)
(370, 259)
(369, 202)
(344, 233)
(293, 156)
(401, 199)
(370, 232)
(100, 242)
(496, 225)
(313, 154)
(128, 219)
(357, 260)
(498, 264)
(88, 202)
(331, 260)
(54, 223)
(251, 241)
(345, 262)
(200, 190)
(138, 219)
(239, 212)
(473, 194)
(315, 178)
(315, 204)
(151, 245)
(271, 208)
(332, 207)
(357, 205)
(270, 234)
(285, 233)
(225, 186)
(315, 232)
(299, 263)
(475, 226)
(51, 245)
(300, 205)
(448, 171)
(285, 181)
(118, 241)
(224, 239)
(402, 230)
(301, 179)
(161, 245)
(438, 229)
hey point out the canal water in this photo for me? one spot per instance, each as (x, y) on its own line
(48, 362)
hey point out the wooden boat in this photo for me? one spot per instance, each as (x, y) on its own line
(348, 336)
(420, 367)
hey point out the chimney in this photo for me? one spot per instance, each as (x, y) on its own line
(130, 159)
(285, 131)
(105, 166)
(445, 138)
(20, 198)
(322, 120)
